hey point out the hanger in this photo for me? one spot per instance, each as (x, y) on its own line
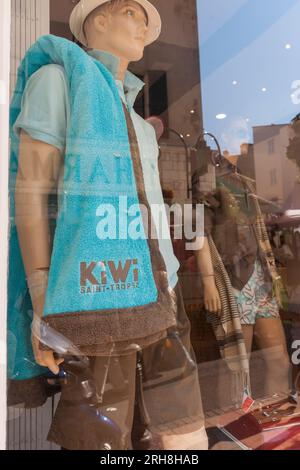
(215, 160)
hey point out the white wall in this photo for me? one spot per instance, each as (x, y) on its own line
(4, 143)
(21, 23)
(286, 171)
(30, 19)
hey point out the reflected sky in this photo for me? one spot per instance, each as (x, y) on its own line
(250, 61)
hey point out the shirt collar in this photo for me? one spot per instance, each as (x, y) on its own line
(132, 84)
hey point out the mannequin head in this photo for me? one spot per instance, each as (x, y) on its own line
(118, 27)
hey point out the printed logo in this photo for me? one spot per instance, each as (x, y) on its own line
(296, 353)
(102, 276)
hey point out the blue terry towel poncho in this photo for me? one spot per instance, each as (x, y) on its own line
(104, 288)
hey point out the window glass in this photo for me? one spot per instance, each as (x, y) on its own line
(153, 291)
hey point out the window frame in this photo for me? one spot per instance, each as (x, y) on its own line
(5, 19)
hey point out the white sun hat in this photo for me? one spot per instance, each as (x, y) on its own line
(85, 7)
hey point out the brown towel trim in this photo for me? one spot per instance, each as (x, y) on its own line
(96, 330)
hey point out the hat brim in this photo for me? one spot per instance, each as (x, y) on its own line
(85, 7)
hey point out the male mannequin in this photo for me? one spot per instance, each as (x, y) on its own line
(117, 33)
(230, 219)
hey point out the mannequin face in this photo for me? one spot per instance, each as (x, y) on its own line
(120, 31)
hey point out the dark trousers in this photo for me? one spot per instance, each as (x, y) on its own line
(171, 395)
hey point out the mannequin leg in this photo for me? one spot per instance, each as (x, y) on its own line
(248, 331)
(270, 338)
(171, 388)
(194, 440)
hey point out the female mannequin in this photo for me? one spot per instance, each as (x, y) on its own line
(230, 219)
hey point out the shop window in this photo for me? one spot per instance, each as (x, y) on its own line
(225, 143)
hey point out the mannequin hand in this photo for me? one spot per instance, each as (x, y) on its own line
(45, 358)
(37, 283)
(212, 301)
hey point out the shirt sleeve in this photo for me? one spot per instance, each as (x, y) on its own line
(45, 107)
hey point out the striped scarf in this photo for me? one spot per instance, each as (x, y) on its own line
(265, 248)
(227, 328)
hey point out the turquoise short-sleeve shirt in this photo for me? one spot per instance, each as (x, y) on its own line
(45, 106)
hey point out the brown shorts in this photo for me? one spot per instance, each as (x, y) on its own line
(170, 390)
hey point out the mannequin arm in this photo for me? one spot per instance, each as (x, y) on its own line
(212, 300)
(39, 167)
